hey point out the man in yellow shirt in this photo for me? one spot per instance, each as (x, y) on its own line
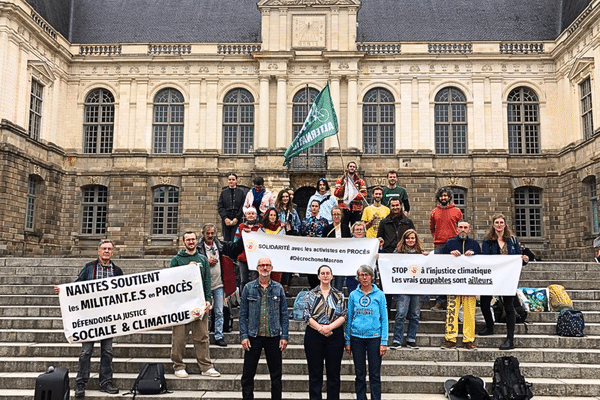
(373, 214)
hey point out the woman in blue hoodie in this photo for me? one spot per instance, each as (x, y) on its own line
(367, 333)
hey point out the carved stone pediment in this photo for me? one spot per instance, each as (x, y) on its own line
(287, 3)
(41, 71)
(581, 69)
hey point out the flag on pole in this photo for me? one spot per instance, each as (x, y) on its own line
(321, 122)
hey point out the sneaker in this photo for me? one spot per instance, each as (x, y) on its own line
(395, 346)
(412, 345)
(470, 346)
(181, 373)
(211, 372)
(80, 390)
(438, 307)
(109, 388)
(448, 345)
(221, 342)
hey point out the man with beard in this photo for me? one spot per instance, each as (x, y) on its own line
(462, 244)
(442, 224)
(347, 184)
(392, 190)
(373, 214)
(229, 207)
(393, 226)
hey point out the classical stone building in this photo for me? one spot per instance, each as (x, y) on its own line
(122, 119)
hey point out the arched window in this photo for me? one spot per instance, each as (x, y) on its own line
(98, 122)
(450, 121)
(523, 121)
(167, 126)
(94, 207)
(303, 100)
(238, 122)
(165, 210)
(378, 122)
(528, 212)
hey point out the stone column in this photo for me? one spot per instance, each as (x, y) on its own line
(262, 137)
(353, 136)
(211, 129)
(283, 135)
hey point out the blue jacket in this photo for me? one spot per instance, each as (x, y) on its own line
(250, 310)
(367, 315)
(88, 272)
(461, 245)
(491, 246)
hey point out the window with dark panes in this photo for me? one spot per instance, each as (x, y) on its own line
(35, 109)
(528, 212)
(238, 122)
(460, 200)
(30, 211)
(302, 102)
(587, 122)
(450, 121)
(165, 210)
(523, 121)
(98, 122)
(94, 206)
(593, 202)
(167, 125)
(378, 122)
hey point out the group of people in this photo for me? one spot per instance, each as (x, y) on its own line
(263, 319)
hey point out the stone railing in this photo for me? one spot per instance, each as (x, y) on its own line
(580, 19)
(450, 48)
(40, 21)
(100, 50)
(379, 48)
(233, 48)
(521, 48)
(308, 163)
(169, 49)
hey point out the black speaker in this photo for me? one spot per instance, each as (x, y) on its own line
(53, 385)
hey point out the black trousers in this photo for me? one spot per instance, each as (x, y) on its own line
(330, 350)
(509, 307)
(251, 357)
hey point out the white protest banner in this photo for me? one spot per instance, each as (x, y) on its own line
(121, 305)
(306, 255)
(447, 274)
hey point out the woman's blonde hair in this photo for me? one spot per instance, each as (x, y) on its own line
(491, 233)
(401, 247)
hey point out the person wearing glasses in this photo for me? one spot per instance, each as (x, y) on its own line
(264, 324)
(101, 268)
(367, 333)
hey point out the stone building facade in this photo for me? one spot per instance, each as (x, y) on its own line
(116, 126)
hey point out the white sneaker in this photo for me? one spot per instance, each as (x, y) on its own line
(211, 372)
(180, 373)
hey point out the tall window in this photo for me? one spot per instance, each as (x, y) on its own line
(303, 100)
(528, 212)
(32, 194)
(35, 109)
(238, 122)
(523, 122)
(450, 122)
(165, 210)
(460, 200)
(99, 120)
(593, 198)
(94, 210)
(378, 122)
(168, 122)
(587, 123)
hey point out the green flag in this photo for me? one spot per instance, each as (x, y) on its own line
(320, 123)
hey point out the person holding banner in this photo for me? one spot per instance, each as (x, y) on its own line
(325, 199)
(199, 327)
(359, 231)
(101, 268)
(351, 192)
(337, 230)
(500, 240)
(367, 333)
(270, 224)
(408, 304)
(251, 224)
(313, 226)
(264, 323)
(462, 244)
(324, 314)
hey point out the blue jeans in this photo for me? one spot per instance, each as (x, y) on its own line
(106, 357)
(218, 295)
(361, 350)
(407, 304)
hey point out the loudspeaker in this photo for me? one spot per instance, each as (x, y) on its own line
(53, 385)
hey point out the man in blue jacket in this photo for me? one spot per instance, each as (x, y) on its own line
(263, 324)
(461, 245)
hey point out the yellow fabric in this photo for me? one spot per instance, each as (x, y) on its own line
(370, 212)
(469, 303)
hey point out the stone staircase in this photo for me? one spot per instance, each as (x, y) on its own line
(31, 339)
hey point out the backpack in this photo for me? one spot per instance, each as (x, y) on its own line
(470, 387)
(570, 323)
(558, 298)
(299, 304)
(520, 312)
(508, 383)
(151, 380)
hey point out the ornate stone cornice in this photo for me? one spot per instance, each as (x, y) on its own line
(278, 3)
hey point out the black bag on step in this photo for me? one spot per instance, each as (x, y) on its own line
(508, 383)
(470, 387)
(151, 380)
(570, 323)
